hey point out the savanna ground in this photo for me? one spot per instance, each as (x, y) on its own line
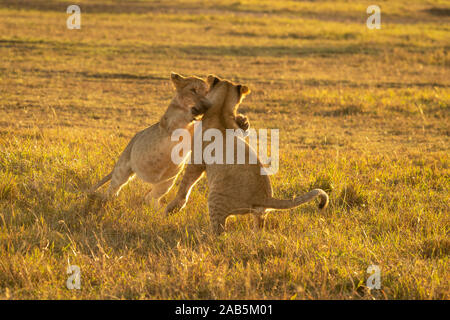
(363, 114)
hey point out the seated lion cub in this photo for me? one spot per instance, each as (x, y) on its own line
(148, 154)
(233, 188)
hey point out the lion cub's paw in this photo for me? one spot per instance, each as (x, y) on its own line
(243, 122)
(174, 206)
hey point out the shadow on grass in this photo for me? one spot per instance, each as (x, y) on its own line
(191, 50)
(440, 12)
(274, 51)
(99, 7)
(144, 7)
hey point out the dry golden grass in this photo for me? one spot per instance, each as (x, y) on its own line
(362, 113)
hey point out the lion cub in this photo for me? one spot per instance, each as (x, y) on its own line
(233, 188)
(148, 154)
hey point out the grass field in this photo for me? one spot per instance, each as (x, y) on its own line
(363, 114)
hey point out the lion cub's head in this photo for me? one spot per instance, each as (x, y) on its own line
(189, 89)
(225, 95)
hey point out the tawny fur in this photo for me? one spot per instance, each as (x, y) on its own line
(237, 188)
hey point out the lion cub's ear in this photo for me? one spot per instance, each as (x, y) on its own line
(245, 90)
(212, 80)
(177, 79)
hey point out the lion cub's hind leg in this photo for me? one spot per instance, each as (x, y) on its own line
(158, 191)
(121, 175)
(218, 212)
(218, 218)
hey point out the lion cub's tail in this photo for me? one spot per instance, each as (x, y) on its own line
(102, 182)
(272, 203)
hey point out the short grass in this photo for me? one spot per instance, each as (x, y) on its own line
(362, 113)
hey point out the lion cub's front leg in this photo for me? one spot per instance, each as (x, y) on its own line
(193, 173)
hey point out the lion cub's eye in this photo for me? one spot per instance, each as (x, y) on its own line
(194, 91)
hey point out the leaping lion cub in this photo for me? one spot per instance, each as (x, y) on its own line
(233, 188)
(148, 154)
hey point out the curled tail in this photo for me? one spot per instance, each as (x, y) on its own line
(102, 182)
(272, 203)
